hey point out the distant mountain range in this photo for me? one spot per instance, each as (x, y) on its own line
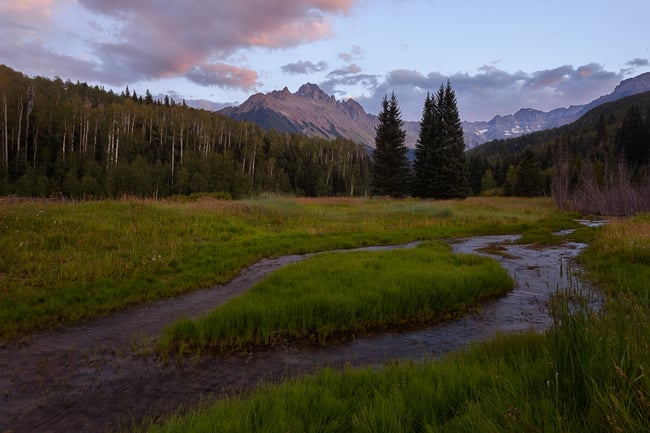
(528, 120)
(312, 112)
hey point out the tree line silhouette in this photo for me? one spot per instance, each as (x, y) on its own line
(71, 139)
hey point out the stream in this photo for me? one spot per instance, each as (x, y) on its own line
(100, 376)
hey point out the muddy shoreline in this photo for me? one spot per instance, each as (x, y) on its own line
(100, 375)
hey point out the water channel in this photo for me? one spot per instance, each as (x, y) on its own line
(97, 376)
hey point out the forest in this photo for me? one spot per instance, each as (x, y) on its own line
(598, 164)
(64, 139)
(73, 140)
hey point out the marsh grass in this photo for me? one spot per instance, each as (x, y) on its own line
(588, 373)
(540, 237)
(62, 262)
(337, 295)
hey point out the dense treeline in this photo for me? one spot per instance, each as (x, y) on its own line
(439, 170)
(71, 139)
(598, 164)
(440, 166)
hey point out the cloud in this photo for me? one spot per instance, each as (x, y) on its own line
(40, 61)
(337, 81)
(223, 75)
(491, 90)
(27, 8)
(157, 42)
(638, 63)
(141, 40)
(355, 53)
(303, 67)
(348, 70)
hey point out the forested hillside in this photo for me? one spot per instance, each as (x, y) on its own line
(597, 164)
(69, 139)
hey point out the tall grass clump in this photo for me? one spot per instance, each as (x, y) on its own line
(619, 260)
(340, 294)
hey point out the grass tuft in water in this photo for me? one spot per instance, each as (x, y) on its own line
(337, 295)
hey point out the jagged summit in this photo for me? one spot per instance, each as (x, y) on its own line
(310, 90)
(308, 111)
(313, 112)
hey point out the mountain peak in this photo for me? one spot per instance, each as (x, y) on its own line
(529, 120)
(310, 90)
(632, 86)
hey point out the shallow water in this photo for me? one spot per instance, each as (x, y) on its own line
(93, 376)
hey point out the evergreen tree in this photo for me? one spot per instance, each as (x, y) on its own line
(391, 163)
(440, 166)
(528, 181)
(424, 148)
(633, 139)
(453, 147)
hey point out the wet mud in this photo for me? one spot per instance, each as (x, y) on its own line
(101, 375)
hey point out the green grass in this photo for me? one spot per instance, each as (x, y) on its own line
(63, 262)
(336, 295)
(588, 373)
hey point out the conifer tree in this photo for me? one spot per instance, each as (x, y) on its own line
(391, 175)
(454, 147)
(424, 149)
(529, 180)
(633, 139)
(440, 166)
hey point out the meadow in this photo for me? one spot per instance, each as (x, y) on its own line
(65, 261)
(588, 373)
(338, 295)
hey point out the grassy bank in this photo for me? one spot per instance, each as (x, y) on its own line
(336, 295)
(588, 373)
(62, 262)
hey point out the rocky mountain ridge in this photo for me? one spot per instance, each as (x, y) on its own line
(309, 111)
(529, 120)
(312, 112)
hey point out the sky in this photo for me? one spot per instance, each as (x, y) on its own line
(499, 56)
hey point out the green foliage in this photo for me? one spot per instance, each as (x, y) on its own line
(391, 166)
(440, 166)
(540, 237)
(72, 140)
(528, 180)
(337, 295)
(633, 139)
(597, 164)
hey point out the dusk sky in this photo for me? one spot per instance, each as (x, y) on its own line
(499, 55)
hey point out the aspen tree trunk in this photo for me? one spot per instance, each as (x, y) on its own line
(30, 107)
(35, 148)
(65, 135)
(20, 128)
(173, 151)
(6, 135)
(181, 143)
(117, 145)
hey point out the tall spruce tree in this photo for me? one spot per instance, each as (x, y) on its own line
(529, 181)
(454, 147)
(633, 139)
(391, 175)
(440, 166)
(424, 149)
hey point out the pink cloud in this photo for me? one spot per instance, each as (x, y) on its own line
(182, 37)
(40, 7)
